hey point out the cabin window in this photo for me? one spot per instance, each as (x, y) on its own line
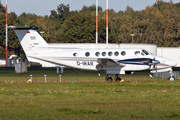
(87, 54)
(103, 53)
(97, 54)
(75, 54)
(137, 53)
(123, 53)
(110, 53)
(116, 53)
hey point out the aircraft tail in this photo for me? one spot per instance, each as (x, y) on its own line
(30, 39)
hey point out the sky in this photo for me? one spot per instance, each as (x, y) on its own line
(44, 7)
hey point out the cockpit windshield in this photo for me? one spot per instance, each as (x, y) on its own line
(144, 51)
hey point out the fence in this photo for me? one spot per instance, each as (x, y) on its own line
(166, 74)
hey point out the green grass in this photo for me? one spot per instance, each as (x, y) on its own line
(92, 98)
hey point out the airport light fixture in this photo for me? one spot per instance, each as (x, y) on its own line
(31, 77)
(132, 37)
(42, 32)
(45, 78)
(60, 78)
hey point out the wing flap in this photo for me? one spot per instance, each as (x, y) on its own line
(106, 63)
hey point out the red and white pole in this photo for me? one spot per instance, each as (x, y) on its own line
(96, 21)
(106, 21)
(6, 36)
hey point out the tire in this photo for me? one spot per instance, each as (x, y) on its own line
(118, 79)
(172, 77)
(109, 79)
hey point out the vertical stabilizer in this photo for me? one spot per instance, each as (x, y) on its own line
(30, 39)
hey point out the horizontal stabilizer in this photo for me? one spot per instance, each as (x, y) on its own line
(23, 27)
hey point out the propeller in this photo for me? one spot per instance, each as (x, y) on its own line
(155, 63)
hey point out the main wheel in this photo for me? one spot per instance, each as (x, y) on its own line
(118, 79)
(109, 79)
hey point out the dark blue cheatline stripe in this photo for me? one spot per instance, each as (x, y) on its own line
(137, 61)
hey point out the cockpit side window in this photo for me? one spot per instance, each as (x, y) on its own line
(145, 52)
(142, 53)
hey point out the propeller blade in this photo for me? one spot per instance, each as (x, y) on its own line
(155, 63)
(154, 66)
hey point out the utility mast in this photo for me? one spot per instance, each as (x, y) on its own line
(96, 21)
(106, 21)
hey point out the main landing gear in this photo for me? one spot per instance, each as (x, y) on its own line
(116, 78)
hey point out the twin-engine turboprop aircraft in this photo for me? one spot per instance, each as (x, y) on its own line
(113, 61)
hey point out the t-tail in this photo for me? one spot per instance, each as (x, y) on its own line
(30, 39)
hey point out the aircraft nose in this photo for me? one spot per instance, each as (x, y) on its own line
(167, 61)
(172, 63)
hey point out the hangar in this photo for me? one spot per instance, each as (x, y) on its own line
(172, 53)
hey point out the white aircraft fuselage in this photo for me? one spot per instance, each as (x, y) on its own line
(128, 62)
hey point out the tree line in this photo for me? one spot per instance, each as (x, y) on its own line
(158, 24)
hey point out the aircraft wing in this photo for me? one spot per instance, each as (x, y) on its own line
(106, 63)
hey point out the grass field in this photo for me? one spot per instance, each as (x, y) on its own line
(90, 98)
